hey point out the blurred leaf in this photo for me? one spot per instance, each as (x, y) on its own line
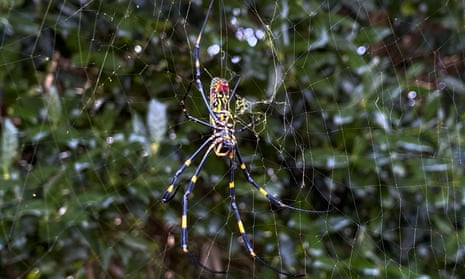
(325, 158)
(371, 34)
(157, 123)
(106, 58)
(454, 84)
(34, 274)
(53, 105)
(10, 144)
(136, 243)
(35, 207)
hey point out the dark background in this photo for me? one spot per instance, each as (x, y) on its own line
(365, 124)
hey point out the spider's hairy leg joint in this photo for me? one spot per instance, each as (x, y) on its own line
(184, 248)
(272, 199)
(167, 193)
(280, 203)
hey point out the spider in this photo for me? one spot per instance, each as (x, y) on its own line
(222, 143)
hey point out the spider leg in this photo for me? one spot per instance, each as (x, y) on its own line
(233, 92)
(254, 121)
(240, 225)
(171, 190)
(275, 201)
(187, 192)
(198, 81)
(248, 126)
(182, 103)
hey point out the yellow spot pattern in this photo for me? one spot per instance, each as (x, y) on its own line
(184, 221)
(241, 227)
(231, 184)
(265, 193)
(170, 188)
(194, 179)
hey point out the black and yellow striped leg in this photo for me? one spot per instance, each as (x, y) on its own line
(187, 192)
(198, 81)
(240, 225)
(182, 103)
(172, 189)
(275, 201)
(185, 197)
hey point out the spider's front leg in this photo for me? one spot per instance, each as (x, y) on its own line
(182, 103)
(275, 201)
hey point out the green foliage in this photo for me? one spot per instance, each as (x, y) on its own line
(361, 109)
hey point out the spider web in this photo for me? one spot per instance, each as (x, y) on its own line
(359, 109)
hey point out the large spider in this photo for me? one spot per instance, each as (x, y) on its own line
(224, 144)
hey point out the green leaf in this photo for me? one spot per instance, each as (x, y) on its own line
(325, 158)
(10, 144)
(455, 84)
(136, 243)
(35, 208)
(157, 123)
(53, 105)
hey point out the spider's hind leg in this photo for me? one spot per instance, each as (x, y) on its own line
(275, 201)
(240, 225)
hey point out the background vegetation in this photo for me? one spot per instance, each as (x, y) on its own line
(366, 124)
